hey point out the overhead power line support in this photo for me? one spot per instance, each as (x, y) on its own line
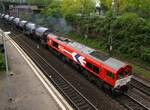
(110, 39)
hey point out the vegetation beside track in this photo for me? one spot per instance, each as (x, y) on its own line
(2, 62)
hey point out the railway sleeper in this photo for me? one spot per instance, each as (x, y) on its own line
(85, 107)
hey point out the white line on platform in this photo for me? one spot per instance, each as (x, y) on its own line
(49, 86)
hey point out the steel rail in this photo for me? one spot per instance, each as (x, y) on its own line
(137, 102)
(140, 86)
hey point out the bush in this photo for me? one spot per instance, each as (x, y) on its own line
(146, 54)
(2, 64)
(132, 33)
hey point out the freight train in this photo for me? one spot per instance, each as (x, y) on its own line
(113, 74)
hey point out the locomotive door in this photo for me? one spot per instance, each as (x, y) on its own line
(109, 77)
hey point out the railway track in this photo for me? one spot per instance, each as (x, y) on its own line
(140, 86)
(131, 103)
(126, 100)
(77, 100)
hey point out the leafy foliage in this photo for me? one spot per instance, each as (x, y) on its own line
(53, 9)
(2, 64)
(74, 7)
(38, 1)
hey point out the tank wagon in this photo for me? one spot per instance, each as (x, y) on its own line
(2, 16)
(11, 18)
(113, 74)
(22, 24)
(29, 28)
(6, 17)
(16, 22)
(41, 34)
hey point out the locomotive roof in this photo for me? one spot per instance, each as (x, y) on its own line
(99, 55)
(109, 61)
(80, 47)
(114, 63)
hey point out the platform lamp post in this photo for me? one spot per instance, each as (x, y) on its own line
(110, 39)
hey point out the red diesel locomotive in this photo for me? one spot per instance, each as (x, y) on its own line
(114, 73)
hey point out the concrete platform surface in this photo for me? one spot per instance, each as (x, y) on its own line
(27, 91)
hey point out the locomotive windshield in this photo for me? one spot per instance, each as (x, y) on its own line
(120, 75)
(123, 74)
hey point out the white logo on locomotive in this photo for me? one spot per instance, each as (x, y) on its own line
(78, 58)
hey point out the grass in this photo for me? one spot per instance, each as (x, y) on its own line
(2, 62)
(141, 72)
(101, 45)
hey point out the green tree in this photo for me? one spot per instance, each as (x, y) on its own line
(70, 7)
(53, 9)
(73, 7)
(38, 1)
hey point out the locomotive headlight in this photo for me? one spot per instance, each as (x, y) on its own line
(123, 81)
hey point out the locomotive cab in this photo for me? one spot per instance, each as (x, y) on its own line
(123, 77)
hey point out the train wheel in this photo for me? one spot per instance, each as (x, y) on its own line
(106, 88)
(44, 44)
(77, 66)
(64, 58)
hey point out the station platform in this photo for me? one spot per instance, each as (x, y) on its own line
(26, 88)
